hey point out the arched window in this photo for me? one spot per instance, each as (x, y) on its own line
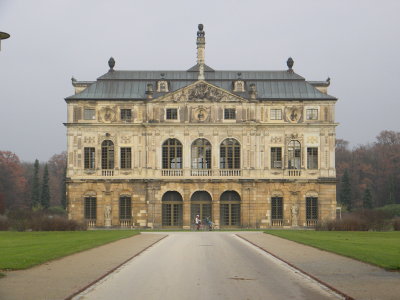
(172, 209)
(229, 154)
(201, 154)
(107, 154)
(200, 205)
(294, 155)
(172, 154)
(230, 209)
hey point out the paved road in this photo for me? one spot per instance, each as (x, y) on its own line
(205, 265)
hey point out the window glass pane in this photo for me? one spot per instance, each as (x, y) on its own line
(126, 114)
(172, 114)
(312, 114)
(89, 114)
(126, 158)
(89, 153)
(229, 114)
(276, 114)
(312, 158)
(276, 157)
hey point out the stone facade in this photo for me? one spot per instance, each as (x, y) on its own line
(118, 147)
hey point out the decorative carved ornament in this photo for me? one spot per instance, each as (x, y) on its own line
(200, 92)
(107, 114)
(276, 139)
(201, 114)
(293, 114)
(312, 140)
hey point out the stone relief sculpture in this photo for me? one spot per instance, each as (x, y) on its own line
(293, 114)
(107, 115)
(203, 91)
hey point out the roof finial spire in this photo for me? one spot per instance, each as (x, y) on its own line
(201, 45)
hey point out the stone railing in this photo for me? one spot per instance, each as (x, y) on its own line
(172, 172)
(293, 173)
(125, 223)
(91, 223)
(200, 172)
(277, 222)
(230, 172)
(311, 223)
(106, 172)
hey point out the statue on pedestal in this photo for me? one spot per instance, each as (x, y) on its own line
(107, 216)
(295, 211)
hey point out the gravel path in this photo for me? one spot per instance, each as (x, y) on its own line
(356, 279)
(60, 278)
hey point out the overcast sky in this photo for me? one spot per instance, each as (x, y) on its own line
(355, 43)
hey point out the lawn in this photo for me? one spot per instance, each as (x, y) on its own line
(21, 250)
(378, 248)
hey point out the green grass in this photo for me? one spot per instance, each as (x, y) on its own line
(377, 248)
(21, 250)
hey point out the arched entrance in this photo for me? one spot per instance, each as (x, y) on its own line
(230, 209)
(200, 205)
(172, 209)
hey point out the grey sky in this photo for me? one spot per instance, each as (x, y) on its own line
(355, 43)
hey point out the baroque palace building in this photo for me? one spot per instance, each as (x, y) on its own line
(246, 148)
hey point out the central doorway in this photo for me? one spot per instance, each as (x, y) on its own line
(200, 205)
(172, 209)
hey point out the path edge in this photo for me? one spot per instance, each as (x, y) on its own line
(112, 270)
(346, 297)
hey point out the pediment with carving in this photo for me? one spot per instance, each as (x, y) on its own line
(200, 91)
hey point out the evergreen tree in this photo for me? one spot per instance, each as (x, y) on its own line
(45, 194)
(367, 199)
(35, 196)
(345, 191)
(64, 190)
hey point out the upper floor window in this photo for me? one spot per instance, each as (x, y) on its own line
(229, 114)
(229, 154)
(89, 158)
(276, 114)
(312, 158)
(171, 114)
(172, 154)
(126, 114)
(107, 155)
(294, 155)
(312, 114)
(276, 157)
(89, 114)
(126, 158)
(201, 154)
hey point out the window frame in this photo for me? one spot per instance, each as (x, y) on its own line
(125, 116)
(230, 154)
(312, 114)
(294, 155)
(312, 158)
(276, 158)
(276, 208)
(274, 115)
(172, 154)
(125, 207)
(90, 208)
(86, 115)
(171, 112)
(107, 155)
(201, 154)
(125, 158)
(89, 158)
(229, 113)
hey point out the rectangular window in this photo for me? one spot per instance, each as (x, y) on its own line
(126, 158)
(276, 158)
(312, 114)
(89, 162)
(312, 158)
(126, 114)
(229, 114)
(172, 114)
(312, 208)
(90, 208)
(276, 114)
(125, 207)
(89, 114)
(276, 208)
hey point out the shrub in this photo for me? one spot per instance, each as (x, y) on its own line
(396, 224)
(393, 210)
(363, 220)
(56, 210)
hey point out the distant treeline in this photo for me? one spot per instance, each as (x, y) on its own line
(369, 175)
